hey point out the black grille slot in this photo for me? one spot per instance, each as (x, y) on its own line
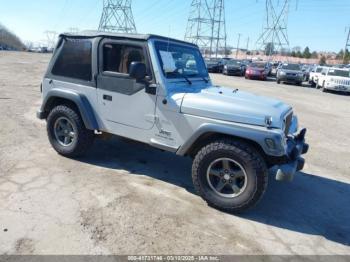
(288, 123)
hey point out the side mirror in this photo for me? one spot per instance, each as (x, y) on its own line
(137, 70)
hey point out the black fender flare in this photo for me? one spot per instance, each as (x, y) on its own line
(255, 134)
(80, 100)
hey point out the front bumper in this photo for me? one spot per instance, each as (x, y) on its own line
(213, 69)
(290, 79)
(40, 115)
(336, 87)
(256, 76)
(295, 163)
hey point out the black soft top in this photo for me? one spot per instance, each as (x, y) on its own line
(142, 37)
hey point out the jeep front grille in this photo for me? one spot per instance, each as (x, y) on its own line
(342, 82)
(288, 123)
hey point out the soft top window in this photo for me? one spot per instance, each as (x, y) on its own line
(117, 58)
(74, 60)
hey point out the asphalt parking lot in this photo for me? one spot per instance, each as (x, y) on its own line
(127, 198)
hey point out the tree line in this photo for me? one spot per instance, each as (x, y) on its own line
(10, 41)
(307, 54)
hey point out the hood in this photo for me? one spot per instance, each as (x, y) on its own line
(226, 104)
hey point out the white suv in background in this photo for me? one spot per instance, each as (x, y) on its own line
(315, 74)
(336, 79)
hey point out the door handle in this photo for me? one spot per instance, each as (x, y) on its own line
(107, 98)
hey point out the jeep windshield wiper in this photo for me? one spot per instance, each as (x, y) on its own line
(187, 79)
(202, 77)
(177, 74)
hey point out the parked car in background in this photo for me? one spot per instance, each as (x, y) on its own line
(247, 62)
(234, 67)
(306, 70)
(315, 74)
(216, 65)
(268, 69)
(257, 70)
(290, 73)
(336, 79)
(274, 69)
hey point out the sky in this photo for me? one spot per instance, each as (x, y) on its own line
(319, 24)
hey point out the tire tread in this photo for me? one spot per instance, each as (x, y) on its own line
(244, 150)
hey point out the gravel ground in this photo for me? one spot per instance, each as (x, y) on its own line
(127, 198)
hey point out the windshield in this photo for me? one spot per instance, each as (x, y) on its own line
(234, 62)
(319, 69)
(341, 73)
(291, 67)
(257, 65)
(178, 61)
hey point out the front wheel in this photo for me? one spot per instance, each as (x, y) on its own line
(67, 132)
(230, 175)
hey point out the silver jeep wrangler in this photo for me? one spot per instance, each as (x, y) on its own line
(157, 91)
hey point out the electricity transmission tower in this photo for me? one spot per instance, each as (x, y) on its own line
(275, 31)
(117, 17)
(206, 26)
(51, 39)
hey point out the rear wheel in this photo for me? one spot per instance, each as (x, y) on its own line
(67, 132)
(229, 175)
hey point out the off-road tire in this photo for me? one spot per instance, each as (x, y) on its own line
(84, 137)
(246, 156)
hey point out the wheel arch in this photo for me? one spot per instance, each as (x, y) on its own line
(209, 137)
(72, 99)
(209, 133)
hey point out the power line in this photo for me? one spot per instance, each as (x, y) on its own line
(117, 16)
(206, 26)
